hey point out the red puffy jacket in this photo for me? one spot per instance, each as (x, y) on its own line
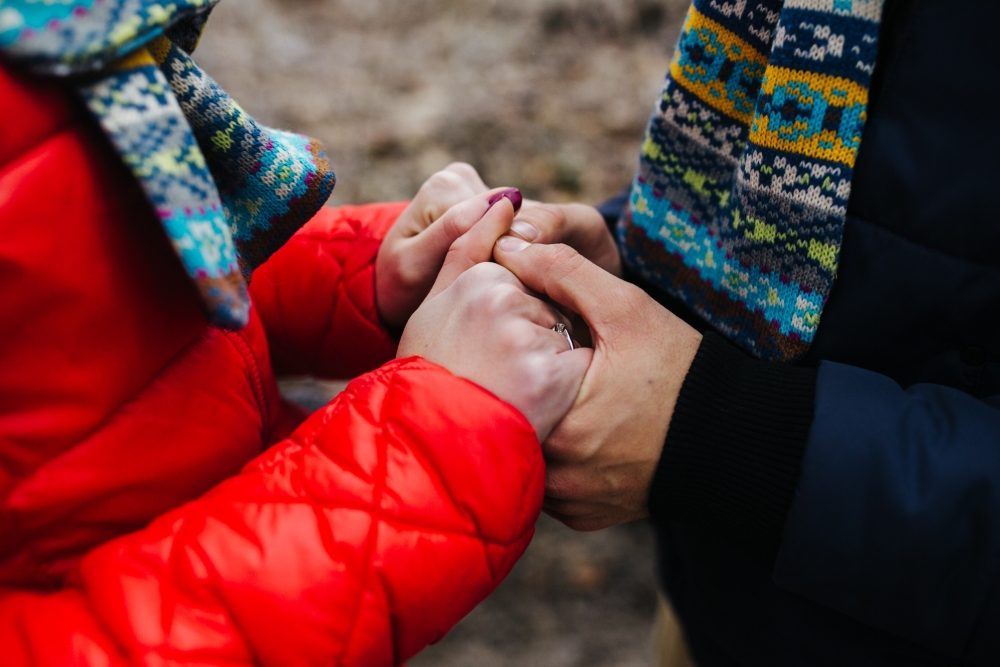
(141, 519)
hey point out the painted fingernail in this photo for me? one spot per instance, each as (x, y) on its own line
(512, 244)
(513, 194)
(525, 230)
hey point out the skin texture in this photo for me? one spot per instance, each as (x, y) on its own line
(602, 456)
(415, 247)
(579, 226)
(477, 313)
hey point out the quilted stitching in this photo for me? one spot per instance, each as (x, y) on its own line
(198, 570)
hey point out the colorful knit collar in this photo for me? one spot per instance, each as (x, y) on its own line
(228, 191)
(740, 200)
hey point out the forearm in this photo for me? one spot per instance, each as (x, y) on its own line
(733, 453)
(896, 519)
(368, 534)
(873, 500)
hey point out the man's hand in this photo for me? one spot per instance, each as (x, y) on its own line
(603, 455)
(579, 226)
(482, 324)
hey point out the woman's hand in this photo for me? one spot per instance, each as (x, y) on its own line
(482, 324)
(414, 249)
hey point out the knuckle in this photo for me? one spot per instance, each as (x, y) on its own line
(563, 261)
(487, 271)
(564, 255)
(431, 212)
(476, 278)
(500, 299)
(463, 170)
(439, 193)
(510, 338)
(443, 180)
(556, 214)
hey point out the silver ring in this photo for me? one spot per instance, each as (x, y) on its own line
(561, 329)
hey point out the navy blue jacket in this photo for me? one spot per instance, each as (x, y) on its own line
(886, 550)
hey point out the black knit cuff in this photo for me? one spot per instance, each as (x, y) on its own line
(734, 450)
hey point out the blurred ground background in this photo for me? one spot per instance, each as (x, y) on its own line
(550, 96)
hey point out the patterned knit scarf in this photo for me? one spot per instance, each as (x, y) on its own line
(739, 203)
(228, 191)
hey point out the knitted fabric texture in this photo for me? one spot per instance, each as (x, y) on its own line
(228, 191)
(739, 202)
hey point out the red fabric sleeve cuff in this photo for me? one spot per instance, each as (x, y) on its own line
(316, 295)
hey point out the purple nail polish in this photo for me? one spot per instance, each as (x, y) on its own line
(513, 194)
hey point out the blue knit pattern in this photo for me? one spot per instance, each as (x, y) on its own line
(66, 36)
(228, 191)
(739, 202)
(271, 182)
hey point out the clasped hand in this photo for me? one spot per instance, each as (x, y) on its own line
(602, 413)
(482, 323)
(477, 320)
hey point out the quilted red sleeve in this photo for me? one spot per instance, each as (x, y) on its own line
(316, 295)
(373, 529)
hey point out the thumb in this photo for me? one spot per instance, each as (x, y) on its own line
(434, 241)
(476, 245)
(566, 277)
